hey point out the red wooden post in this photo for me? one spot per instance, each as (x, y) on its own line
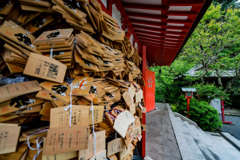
(223, 116)
(144, 64)
(188, 107)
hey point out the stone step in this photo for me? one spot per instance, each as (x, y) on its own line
(231, 139)
(198, 138)
(192, 144)
(185, 150)
(222, 148)
(199, 134)
(203, 142)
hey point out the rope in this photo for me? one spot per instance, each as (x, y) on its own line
(37, 143)
(94, 135)
(70, 107)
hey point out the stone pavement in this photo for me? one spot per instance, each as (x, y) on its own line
(233, 129)
(171, 136)
(160, 140)
(231, 112)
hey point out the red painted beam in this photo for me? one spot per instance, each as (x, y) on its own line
(177, 28)
(158, 30)
(150, 39)
(145, 15)
(158, 39)
(149, 36)
(157, 51)
(160, 47)
(146, 6)
(160, 44)
(159, 34)
(180, 21)
(120, 7)
(148, 22)
(182, 13)
(152, 44)
(157, 48)
(149, 28)
(186, 2)
(177, 33)
(169, 50)
(145, 33)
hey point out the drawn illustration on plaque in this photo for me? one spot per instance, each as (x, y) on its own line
(93, 90)
(54, 35)
(38, 22)
(21, 102)
(71, 5)
(81, 84)
(23, 38)
(60, 89)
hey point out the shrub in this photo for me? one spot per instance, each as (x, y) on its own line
(200, 112)
(207, 92)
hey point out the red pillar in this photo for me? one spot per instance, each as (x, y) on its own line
(144, 64)
(223, 116)
(188, 107)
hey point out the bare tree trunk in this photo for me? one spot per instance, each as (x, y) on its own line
(219, 78)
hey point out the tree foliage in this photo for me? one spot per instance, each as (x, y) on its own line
(215, 44)
(225, 4)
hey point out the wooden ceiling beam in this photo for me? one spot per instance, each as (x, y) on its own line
(158, 42)
(148, 22)
(158, 39)
(159, 34)
(145, 15)
(146, 6)
(180, 21)
(182, 13)
(186, 2)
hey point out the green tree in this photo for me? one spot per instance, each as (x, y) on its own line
(225, 4)
(170, 79)
(215, 43)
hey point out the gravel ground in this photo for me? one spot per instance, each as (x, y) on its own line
(234, 129)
